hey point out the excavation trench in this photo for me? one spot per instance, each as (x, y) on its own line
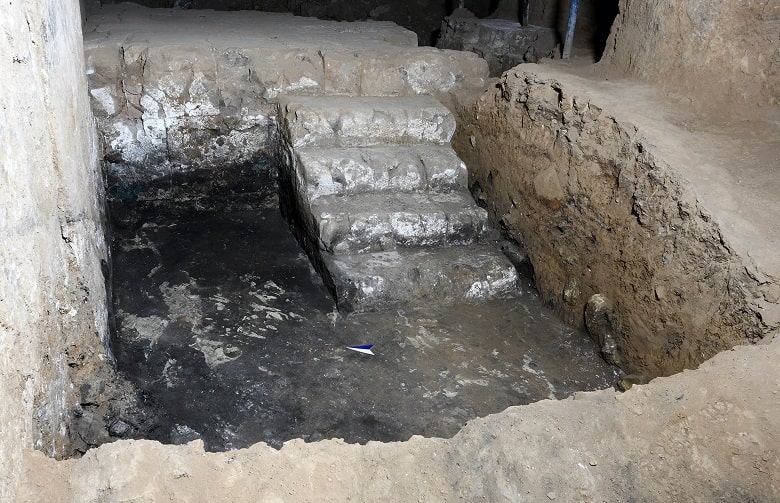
(230, 336)
(629, 199)
(228, 333)
(221, 324)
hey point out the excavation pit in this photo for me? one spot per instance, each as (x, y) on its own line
(231, 337)
(222, 324)
(186, 125)
(645, 170)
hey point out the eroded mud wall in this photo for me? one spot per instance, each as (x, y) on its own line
(724, 54)
(618, 241)
(52, 293)
(601, 213)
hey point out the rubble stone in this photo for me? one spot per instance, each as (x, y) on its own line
(504, 44)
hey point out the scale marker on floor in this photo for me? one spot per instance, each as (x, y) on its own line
(362, 348)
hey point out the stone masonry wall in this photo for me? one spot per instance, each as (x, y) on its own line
(52, 294)
(617, 240)
(199, 102)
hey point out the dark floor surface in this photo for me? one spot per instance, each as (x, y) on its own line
(232, 337)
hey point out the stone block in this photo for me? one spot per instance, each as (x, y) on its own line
(105, 82)
(363, 122)
(293, 71)
(339, 171)
(382, 222)
(195, 142)
(179, 80)
(476, 272)
(502, 43)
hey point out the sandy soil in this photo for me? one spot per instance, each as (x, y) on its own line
(708, 435)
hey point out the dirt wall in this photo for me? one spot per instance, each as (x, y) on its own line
(723, 54)
(618, 240)
(52, 295)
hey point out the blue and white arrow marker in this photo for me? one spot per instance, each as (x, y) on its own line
(362, 348)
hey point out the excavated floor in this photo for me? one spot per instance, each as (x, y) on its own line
(233, 338)
(221, 322)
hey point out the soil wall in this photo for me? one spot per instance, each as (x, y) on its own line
(709, 435)
(618, 240)
(724, 54)
(52, 294)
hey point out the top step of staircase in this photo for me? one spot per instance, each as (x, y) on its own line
(365, 121)
(255, 56)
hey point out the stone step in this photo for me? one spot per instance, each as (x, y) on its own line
(503, 43)
(470, 273)
(334, 171)
(366, 223)
(382, 205)
(339, 121)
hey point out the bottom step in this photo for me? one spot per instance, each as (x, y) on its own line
(445, 275)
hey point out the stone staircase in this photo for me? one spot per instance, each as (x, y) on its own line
(381, 205)
(380, 202)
